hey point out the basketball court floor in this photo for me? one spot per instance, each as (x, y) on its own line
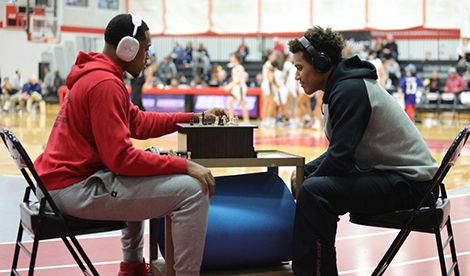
(359, 248)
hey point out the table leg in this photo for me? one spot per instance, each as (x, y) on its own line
(153, 224)
(274, 170)
(169, 258)
(299, 174)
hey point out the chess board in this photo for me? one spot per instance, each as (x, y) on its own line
(216, 141)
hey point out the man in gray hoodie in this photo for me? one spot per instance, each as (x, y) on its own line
(376, 161)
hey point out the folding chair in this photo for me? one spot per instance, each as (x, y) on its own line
(43, 224)
(422, 218)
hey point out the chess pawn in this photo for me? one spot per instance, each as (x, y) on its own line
(191, 120)
(225, 119)
(189, 154)
(200, 120)
(216, 122)
(209, 121)
(221, 120)
(204, 121)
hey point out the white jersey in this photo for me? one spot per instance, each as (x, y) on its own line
(280, 93)
(265, 85)
(239, 90)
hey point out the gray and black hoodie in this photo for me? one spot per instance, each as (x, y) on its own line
(367, 129)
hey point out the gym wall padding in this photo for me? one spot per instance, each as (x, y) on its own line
(251, 219)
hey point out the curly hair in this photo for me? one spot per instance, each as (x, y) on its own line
(324, 40)
(120, 26)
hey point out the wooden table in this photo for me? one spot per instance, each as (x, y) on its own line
(272, 160)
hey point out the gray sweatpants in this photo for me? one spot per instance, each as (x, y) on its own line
(108, 196)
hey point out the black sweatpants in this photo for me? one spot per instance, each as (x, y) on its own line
(322, 199)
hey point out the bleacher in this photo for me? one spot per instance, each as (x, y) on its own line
(252, 68)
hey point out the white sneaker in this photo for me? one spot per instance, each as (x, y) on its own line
(316, 125)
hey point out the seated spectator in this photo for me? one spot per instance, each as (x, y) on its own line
(243, 50)
(188, 55)
(32, 93)
(167, 70)
(182, 79)
(198, 82)
(7, 93)
(259, 79)
(174, 82)
(177, 54)
(213, 82)
(378, 46)
(364, 52)
(202, 65)
(454, 83)
(392, 73)
(390, 49)
(433, 84)
(463, 50)
(222, 78)
(202, 50)
(278, 45)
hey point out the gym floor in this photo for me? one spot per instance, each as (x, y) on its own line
(359, 248)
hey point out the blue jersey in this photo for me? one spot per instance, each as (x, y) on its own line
(409, 85)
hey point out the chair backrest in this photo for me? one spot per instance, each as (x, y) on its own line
(448, 161)
(25, 165)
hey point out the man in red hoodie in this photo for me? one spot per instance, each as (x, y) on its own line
(92, 169)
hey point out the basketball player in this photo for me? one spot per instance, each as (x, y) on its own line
(376, 161)
(92, 170)
(237, 87)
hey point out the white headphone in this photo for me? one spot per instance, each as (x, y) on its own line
(129, 46)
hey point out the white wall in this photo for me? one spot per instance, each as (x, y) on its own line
(16, 53)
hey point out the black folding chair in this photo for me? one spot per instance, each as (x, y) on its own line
(43, 224)
(422, 218)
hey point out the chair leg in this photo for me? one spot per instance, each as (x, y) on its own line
(84, 255)
(16, 255)
(391, 252)
(74, 255)
(455, 264)
(440, 251)
(34, 253)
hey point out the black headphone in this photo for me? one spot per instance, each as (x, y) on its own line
(320, 61)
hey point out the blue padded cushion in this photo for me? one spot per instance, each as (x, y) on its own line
(251, 219)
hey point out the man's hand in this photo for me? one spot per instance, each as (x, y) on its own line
(204, 175)
(293, 183)
(212, 113)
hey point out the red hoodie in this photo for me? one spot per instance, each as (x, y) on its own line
(93, 129)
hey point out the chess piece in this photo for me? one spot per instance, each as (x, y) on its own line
(216, 122)
(189, 155)
(235, 120)
(209, 121)
(221, 120)
(191, 120)
(204, 121)
(200, 120)
(172, 153)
